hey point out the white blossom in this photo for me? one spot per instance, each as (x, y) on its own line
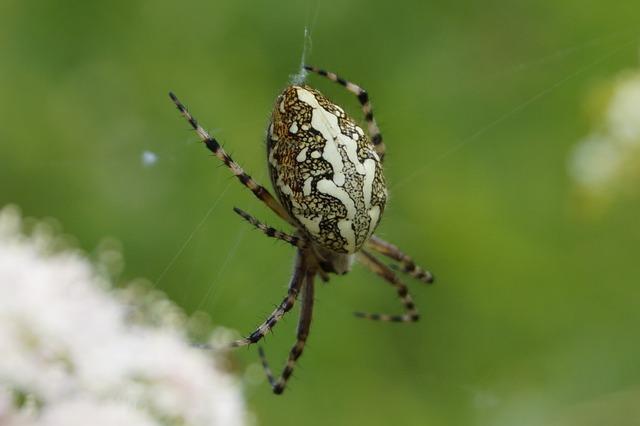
(74, 353)
(607, 161)
(623, 116)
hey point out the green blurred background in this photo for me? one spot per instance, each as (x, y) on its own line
(534, 318)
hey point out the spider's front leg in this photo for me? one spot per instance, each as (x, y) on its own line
(214, 146)
(297, 280)
(363, 98)
(393, 252)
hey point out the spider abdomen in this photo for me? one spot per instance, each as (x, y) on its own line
(325, 170)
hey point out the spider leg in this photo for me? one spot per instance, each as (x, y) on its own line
(212, 144)
(297, 280)
(304, 324)
(393, 252)
(363, 97)
(411, 313)
(269, 231)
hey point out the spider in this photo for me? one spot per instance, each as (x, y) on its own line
(327, 174)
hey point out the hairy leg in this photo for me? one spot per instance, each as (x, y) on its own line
(304, 323)
(363, 98)
(297, 280)
(212, 144)
(269, 231)
(407, 264)
(380, 269)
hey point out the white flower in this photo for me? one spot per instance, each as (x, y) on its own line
(73, 353)
(608, 160)
(595, 162)
(623, 117)
(82, 411)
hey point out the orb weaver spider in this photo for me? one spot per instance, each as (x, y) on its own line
(327, 174)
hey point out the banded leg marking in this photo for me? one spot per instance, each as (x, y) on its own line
(212, 144)
(269, 231)
(304, 323)
(363, 98)
(380, 269)
(297, 280)
(408, 266)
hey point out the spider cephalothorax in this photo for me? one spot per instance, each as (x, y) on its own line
(327, 174)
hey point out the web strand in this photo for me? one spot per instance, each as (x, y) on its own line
(191, 235)
(504, 117)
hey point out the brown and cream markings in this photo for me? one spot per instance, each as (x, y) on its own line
(325, 170)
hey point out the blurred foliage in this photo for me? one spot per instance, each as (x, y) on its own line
(534, 316)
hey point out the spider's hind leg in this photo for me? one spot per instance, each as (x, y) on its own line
(408, 266)
(304, 324)
(363, 98)
(380, 269)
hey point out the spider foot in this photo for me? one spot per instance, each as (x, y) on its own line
(246, 341)
(277, 387)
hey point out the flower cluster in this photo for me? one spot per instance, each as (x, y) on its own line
(608, 160)
(76, 352)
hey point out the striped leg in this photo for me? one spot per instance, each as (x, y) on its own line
(269, 231)
(411, 313)
(363, 97)
(408, 265)
(258, 190)
(304, 323)
(285, 306)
